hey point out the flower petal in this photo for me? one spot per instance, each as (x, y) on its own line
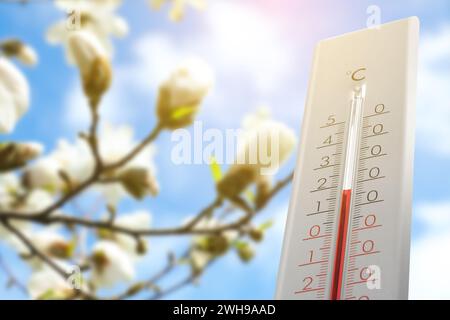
(7, 112)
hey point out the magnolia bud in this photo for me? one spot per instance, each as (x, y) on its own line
(61, 249)
(256, 234)
(100, 260)
(93, 62)
(141, 246)
(156, 4)
(16, 155)
(180, 96)
(139, 182)
(14, 95)
(245, 252)
(263, 192)
(215, 245)
(16, 48)
(199, 259)
(236, 180)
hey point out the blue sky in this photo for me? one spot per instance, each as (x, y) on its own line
(261, 52)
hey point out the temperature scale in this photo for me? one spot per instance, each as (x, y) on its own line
(348, 228)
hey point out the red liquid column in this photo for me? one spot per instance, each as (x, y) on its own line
(341, 240)
(351, 158)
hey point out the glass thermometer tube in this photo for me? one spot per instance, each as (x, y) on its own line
(351, 155)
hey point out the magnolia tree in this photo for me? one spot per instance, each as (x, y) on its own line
(73, 255)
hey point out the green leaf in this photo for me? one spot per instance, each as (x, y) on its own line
(183, 111)
(48, 295)
(238, 244)
(250, 195)
(216, 170)
(71, 248)
(266, 225)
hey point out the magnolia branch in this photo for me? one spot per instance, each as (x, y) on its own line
(187, 229)
(152, 282)
(44, 217)
(174, 109)
(78, 189)
(93, 140)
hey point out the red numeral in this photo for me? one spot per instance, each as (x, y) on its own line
(311, 253)
(368, 246)
(370, 220)
(307, 282)
(365, 274)
(314, 231)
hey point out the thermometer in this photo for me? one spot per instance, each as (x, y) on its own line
(348, 228)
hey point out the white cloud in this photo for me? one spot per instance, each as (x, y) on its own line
(430, 262)
(430, 255)
(248, 42)
(433, 104)
(244, 46)
(434, 217)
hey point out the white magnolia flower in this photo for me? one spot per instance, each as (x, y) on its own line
(74, 159)
(9, 187)
(46, 283)
(77, 162)
(51, 243)
(47, 241)
(182, 93)
(111, 264)
(93, 63)
(15, 155)
(189, 83)
(262, 147)
(27, 55)
(209, 223)
(30, 150)
(178, 7)
(44, 174)
(138, 220)
(85, 49)
(207, 247)
(115, 142)
(14, 95)
(199, 259)
(17, 49)
(265, 143)
(94, 16)
(36, 200)
(156, 4)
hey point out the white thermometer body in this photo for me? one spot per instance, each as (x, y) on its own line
(348, 228)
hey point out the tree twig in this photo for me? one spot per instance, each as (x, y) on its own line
(12, 279)
(93, 139)
(189, 229)
(189, 279)
(150, 283)
(75, 191)
(134, 152)
(34, 251)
